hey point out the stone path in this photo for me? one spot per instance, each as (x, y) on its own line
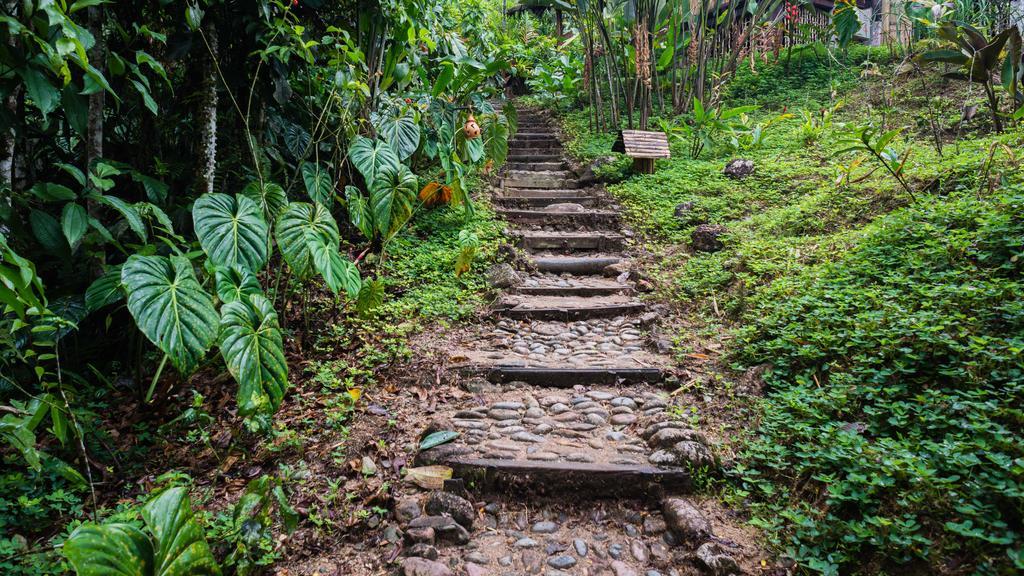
(569, 459)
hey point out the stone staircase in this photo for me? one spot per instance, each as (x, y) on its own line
(567, 433)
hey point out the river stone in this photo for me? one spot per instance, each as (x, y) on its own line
(695, 453)
(478, 558)
(439, 503)
(545, 527)
(476, 570)
(622, 419)
(565, 207)
(580, 546)
(716, 561)
(502, 414)
(685, 520)
(562, 562)
(445, 527)
(527, 437)
(423, 534)
(415, 566)
(668, 436)
(525, 542)
(639, 551)
(533, 562)
(620, 568)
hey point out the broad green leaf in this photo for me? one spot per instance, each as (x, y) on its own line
(253, 350)
(170, 307)
(236, 283)
(40, 90)
(438, 438)
(339, 272)
(105, 291)
(371, 295)
(231, 230)
(443, 78)
(47, 231)
(298, 229)
(271, 198)
(129, 212)
(109, 550)
(74, 221)
(359, 211)
(400, 131)
(496, 140)
(49, 192)
(318, 184)
(181, 547)
(392, 198)
(371, 156)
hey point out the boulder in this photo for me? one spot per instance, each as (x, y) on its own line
(460, 509)
(685, 520)
(415, 566)
(707, 237)
(688, 214)
(739, 168)
(502, 276)
(715, 561)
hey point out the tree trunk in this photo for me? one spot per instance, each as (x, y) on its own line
(97, 101)
(11, 103)
(207, 167)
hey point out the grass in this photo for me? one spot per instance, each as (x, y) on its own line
(889, 439)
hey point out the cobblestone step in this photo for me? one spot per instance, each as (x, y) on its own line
(542, 201)
(566, 308)
(574, 264)
(587, 219)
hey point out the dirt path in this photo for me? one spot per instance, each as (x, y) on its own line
(569, 459)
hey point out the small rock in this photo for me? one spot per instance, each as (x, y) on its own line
(525, 542)
(562, 562)
(457, 507)
(476, 570)
(622, 569)
(422, 550)
(623, 419)
(415, 566)
(639, 551)
(615, 551)
(739, 168)
(478, 558)
(694, 453)
(444, 526)
(580, 546)
(392, 534)
(406, 509)
(565, 207)
(425, 535)
(668, 436)
(685, 520)
(707, 237)
(654, 525)
(545, 527)
(716, 561)
(616, 270)
(502, 276)
(533, 561)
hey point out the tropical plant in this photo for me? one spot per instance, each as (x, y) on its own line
(979, 58)
(173, 543)
(878, 146)
(705, 126)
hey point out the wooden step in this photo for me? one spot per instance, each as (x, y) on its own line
(542, 201)
(532, 150)
(512, 192)
(564, 478)
(535, 166)
(535, 135)
(570, 241)
(580, 265)
(531, 156)
(538, 180)
(588, 218)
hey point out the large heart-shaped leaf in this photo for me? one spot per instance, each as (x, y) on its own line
(496, 140)
(253, 349)
(339, 272)
(231, 230)
(181, 547)
(270, 197)
(400, 130)
(359, 211)
(109, 550)
(391, 199)
(318, 183)
(170, 307)
(235, 283)
(371, 156)
(371, 295)
(300, 227)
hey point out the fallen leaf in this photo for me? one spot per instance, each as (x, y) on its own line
(429, 477)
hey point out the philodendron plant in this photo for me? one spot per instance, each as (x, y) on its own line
(175, 311)
(172, 544)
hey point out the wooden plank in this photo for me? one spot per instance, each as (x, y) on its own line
(642, 144)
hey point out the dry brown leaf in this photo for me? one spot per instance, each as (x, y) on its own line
(429, 477)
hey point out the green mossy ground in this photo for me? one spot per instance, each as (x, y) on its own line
(889, 437)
